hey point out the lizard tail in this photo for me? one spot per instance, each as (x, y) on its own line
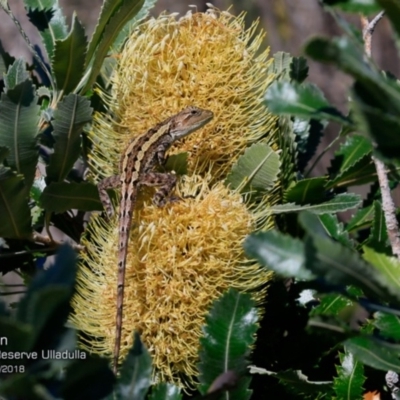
(124, 225)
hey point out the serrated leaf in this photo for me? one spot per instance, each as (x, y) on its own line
(165, 391)
(361, 219)
(387, 266)
(57, 27)
(107, 31)
(280, 65)
(360, 173)
(280, 253)
(14, 210)
(136, 373)
(40, 18)
(19, 118)
(62, 196)
(257, 168)
(69, 57)
(348, 384)
(335, 229)
(298, 69)
(72, 114)
(340, 265)
(331, 304)
(227, 338)
(379, 123)
(372, 353)
(304, 101)
(379, 235)
(356, 6)
(388, 325)
(297, 380)
(16, 74)
(341, 202)
(352, 150)
(127, 29)
(376, 97)
(306, 191)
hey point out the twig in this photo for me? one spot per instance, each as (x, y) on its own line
(388, 206)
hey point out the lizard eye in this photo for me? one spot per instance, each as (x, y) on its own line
(194, 112)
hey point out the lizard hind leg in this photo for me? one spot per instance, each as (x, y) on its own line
(111, 182)
(166, 183)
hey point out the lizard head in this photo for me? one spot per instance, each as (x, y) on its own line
(189, 120)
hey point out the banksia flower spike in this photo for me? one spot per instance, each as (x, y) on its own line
(184, 255)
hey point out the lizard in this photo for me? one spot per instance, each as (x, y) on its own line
(136, 168)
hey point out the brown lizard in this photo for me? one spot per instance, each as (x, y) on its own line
(136, 169)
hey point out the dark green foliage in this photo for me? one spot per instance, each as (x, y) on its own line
(225, 345)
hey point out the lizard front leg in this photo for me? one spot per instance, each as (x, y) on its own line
(166, 183)
(111, 182)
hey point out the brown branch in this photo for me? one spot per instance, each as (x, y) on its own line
(388, 206)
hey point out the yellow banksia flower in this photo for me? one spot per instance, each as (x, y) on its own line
(185, 255)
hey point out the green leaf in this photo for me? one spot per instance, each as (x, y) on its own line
(69, 57)
(376, 97)
(340, 265)
(165, 391)
(57, 27)
(332, 305)
(280, 253)
(356, 6)
(348, 384)
(360, 173)
(341, 202)
(19, 119)
(228, 335)
(82, 376)
(335, 229)
(23, 386)
(177, 163)
(372, 353)
(304, 101)
(256, 169)
(72, 114)
(14, 210)
(17, 334)
(379, 122)
(387, 266)
(378, 236)
(297, 381)
(16, 74)
(62, 196)
(388, 325)
(60, 276)
(353, 150)
(361, 219)
(392, 10)
(128, 28)
(298, 69)
(306, 191)
(136, 373)
(280, 65)
(113, 17)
